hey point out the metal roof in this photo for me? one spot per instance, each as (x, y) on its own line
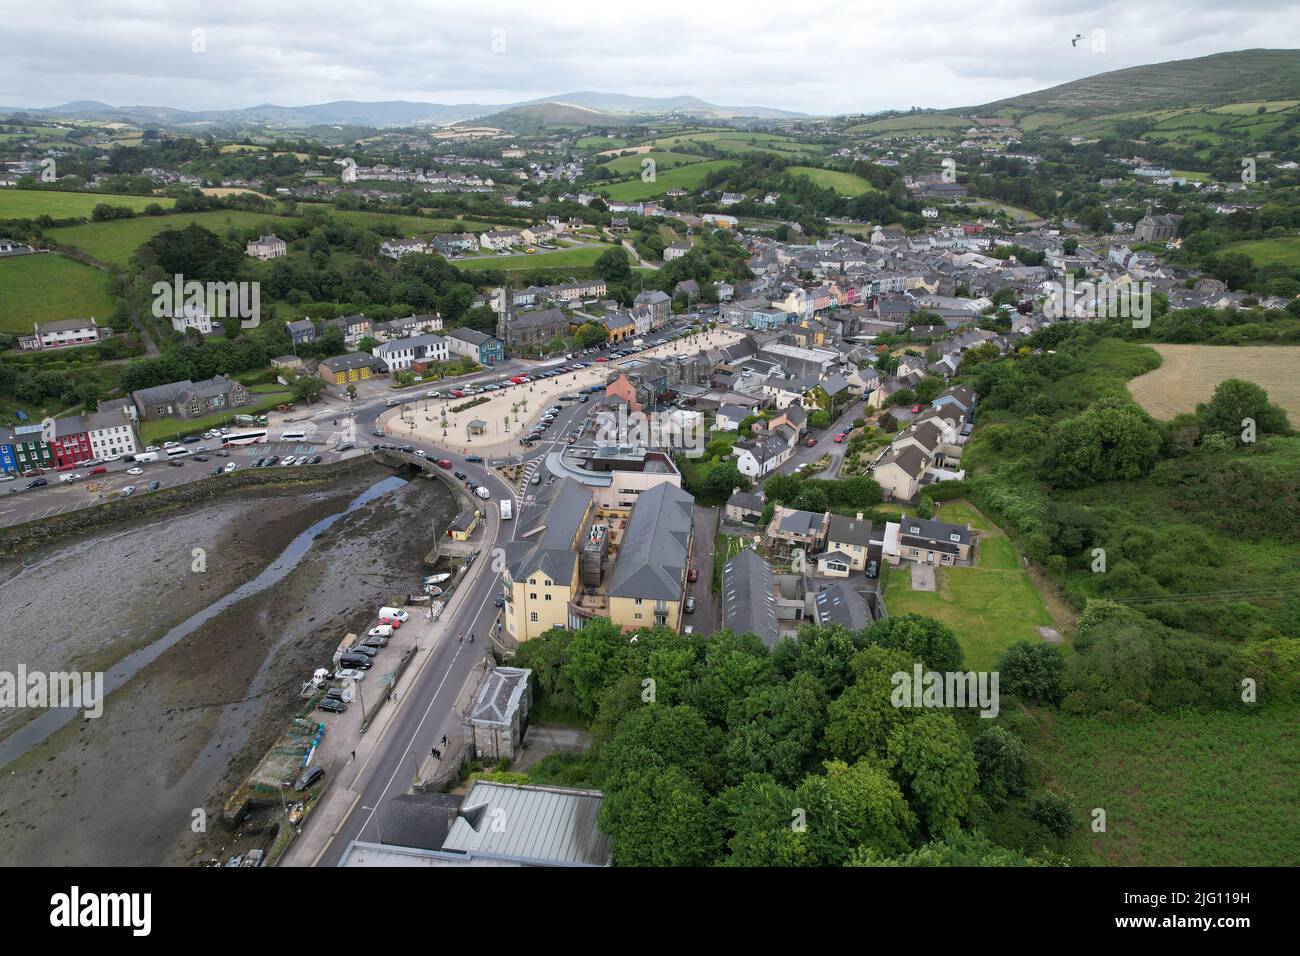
(545, 826)
(748, 601)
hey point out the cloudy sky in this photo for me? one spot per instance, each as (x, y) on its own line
(815, 56)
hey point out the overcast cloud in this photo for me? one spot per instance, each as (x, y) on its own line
(813, 56)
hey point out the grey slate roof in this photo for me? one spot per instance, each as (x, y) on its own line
(748, 601)
(841, 604)
(500, 695)
(551, 550)
(652, 558)
(845, 530)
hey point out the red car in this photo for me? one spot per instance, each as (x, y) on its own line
(68, 467)
(839, 439)
(457, 393)
(810, 442)
(444, 463)
(692, 575)
(32, 472)
(601, 358)
(101, 470)
(518, 380)
(916, 409)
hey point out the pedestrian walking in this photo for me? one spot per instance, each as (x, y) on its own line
(444, 740)
(354, 756)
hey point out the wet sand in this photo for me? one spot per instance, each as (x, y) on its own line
(121, 790)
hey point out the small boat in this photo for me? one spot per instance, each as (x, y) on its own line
(435, 578)
(432, 590)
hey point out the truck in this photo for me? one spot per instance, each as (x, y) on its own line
(250, 419)
(507, 507)
(146, 456)
(482, 492)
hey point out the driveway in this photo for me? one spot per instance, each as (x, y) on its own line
(704, 526)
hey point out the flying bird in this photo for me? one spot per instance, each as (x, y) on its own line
(1077, 38)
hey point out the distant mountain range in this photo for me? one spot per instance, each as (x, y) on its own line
(583, 108)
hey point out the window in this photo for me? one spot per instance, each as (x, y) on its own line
(533, 617)
(532, 596)
(637, 602)
(954, 537)
(637, 616)
(548, 597)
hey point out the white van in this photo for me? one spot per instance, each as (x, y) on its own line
(394, 613)
(507, 509)
(295, 435)
(146, 456)
(380, 630)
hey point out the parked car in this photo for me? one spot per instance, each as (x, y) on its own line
(68, 479)
(690, 604)
(460, 475)
(37, 483)
(190, 439)
(356, 661)
(230, 466)
(176, 463)
(309, 776)
(257, 462)
(349, 673)
(383, 630)
(810, 443)
(839, 439)
(155, 485)
(135, 471)
(273, 460)
(499, 601)
(363, 649)
(101, 470)
(126, 492)
(200, 458)
(693, 575)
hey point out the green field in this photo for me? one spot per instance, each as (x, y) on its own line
(1212, 789)
(115, 241)
(683, 177)
(989, 606)
(1266, 252)
(41, 287)
(917, 124)
(31, 203)
(664, 159)
(600, 142)
(740, 141)
(581, 257)
(846, 184)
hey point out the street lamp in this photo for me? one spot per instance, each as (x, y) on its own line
(378, 820)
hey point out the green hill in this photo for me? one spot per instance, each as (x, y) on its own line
(1241, 76)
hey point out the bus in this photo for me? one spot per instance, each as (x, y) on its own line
(254, 437)
(293, 436)
(178, 452)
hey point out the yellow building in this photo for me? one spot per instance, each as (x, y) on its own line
(540, 577)
(353, 367)
(648, 584)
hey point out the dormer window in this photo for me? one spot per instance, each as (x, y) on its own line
(914, 530)
(954, 537)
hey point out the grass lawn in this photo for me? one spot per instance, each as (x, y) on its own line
(989, 606)
(583, 257)
(166, 429)
(1212, 789)
(31, 203)
(115, 241)
(41, 287)
(683, 177)
(1266, 252)
(846, 184)
(664, 159)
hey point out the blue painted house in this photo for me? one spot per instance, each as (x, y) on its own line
(481, 347)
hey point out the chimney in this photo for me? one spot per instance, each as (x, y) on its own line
(859, 515)
(736, 490)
